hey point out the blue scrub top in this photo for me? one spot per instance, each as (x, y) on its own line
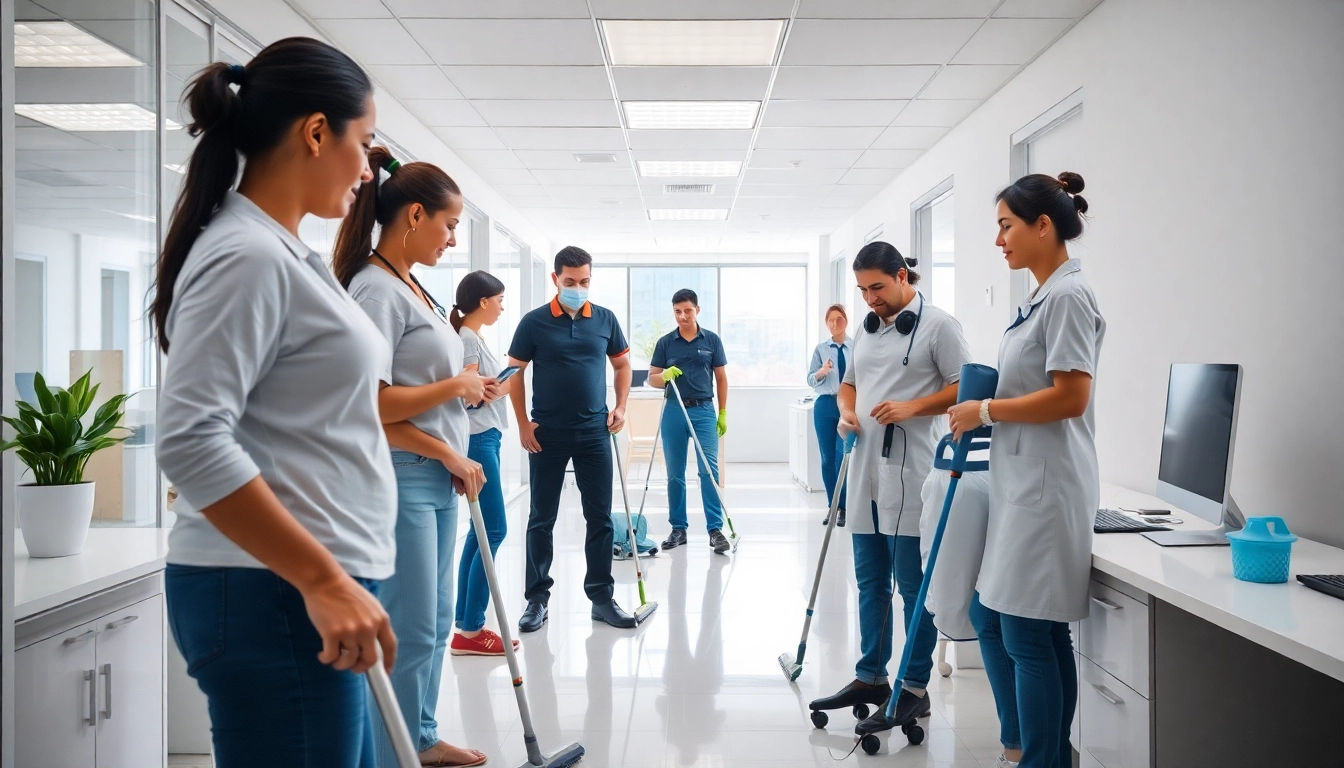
(569, 363)
(696, 358)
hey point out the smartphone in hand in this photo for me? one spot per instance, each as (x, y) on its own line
(503, 376)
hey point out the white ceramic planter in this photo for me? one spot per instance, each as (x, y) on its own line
(55, 518)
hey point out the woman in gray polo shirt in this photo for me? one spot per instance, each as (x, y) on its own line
(268, 416)
(422, 401)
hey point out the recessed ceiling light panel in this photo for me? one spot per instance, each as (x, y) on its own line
(92, 117)
(722, 168)
(62, 44)
(691, 115)
(688, 214)
(594, 157)
(655, 43)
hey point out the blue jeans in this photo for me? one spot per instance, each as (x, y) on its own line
(251, 648)
(473, 591)
(826, 421)
(1030, 662)
(876, 557)
(676, 440)
(999, 669)
(419, 596)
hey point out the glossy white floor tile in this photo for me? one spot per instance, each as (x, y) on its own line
(698, 684)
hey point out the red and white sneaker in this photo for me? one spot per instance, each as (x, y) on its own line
(485, 644)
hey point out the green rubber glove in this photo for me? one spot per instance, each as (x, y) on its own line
(722, 423)
(671, 372)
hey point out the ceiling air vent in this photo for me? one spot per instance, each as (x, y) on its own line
(688, 189)
(594, 157)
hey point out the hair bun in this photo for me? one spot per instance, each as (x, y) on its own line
(1080, 203)
(1071, 182)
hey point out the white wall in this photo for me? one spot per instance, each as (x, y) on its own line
(1212, 131)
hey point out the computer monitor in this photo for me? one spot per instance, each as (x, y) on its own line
(1198, 438)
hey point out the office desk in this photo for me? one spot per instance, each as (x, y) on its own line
(1182, 665)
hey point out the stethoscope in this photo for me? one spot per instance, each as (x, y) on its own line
(433, 303)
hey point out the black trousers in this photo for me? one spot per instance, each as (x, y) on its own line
(590, 450)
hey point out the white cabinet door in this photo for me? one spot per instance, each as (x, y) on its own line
(130, 676)
(54, 687)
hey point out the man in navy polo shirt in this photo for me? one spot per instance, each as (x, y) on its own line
(570, 342)
(694, 358)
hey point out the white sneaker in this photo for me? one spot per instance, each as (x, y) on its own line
(1004, 762)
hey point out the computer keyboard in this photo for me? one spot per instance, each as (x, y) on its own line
(1329, 584)
(1110, 521)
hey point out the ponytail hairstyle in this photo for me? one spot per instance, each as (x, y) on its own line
(1037, 195)
(289, 80)
(475, 287)
(885, 258)
(379, 203)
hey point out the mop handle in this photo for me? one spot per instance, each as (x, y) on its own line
(700, 449)
(825, 545)
(657, 433)
(629, 521)
(386, 700)
(534, 755)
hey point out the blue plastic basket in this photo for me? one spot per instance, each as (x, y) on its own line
(1260, 554)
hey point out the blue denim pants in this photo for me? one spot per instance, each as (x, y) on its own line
(826, 422)
(251, 648)
(877, 557)
(473, 591)
(676, 442)
(419, 596)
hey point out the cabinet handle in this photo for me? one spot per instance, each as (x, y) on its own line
(79, 638)
(1107, 604)
(107, 691)
(122, 622)
(1105, 693)
(92, 719)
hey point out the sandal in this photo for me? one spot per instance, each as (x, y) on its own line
(437, 757)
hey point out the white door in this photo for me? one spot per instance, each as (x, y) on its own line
(54, 689)
(130, 676)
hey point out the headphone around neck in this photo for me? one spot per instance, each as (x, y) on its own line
(907, 322)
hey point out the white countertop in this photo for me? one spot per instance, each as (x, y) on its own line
(1300, 623)
(111, 556)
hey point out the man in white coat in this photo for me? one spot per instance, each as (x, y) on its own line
(907, 362)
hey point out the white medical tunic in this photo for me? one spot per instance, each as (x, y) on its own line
(1044, 483)
(878, 373)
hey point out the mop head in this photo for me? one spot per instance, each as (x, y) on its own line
(561, 758)
(792, 669)
(645, 611)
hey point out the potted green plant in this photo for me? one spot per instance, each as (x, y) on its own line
(55, 443)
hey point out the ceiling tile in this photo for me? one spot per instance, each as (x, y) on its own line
(376, 41)
(520, 190)
(345, 9)
(419, 82)
(494, 9)
(564, 160)
(692, 9)
(490, 158)
(596, 192)
(1011, 41)
(469, 138)
(437, 112)
(817, 138)
(888, 158)
(535, 42)
(969, 81)
(540, 112)
(793, 175)
(533, 201)
(691, 83)
(586, 177)
(869, 176)
(570, 139)
(785, 190)
(531, 82)
(895, 9)
(909, 137)
(507, 175)
(850, 82)
(870, 41)
(943, 112)
(781, 113)
(853, 192)
(807, 158)
(690, 140)
(1041, 9)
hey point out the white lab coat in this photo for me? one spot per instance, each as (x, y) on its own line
(1044, 482)
(952, 585)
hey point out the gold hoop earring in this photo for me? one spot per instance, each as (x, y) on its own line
(403, 237)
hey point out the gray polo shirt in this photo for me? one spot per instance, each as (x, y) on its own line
(496, 414)
(273, 371)
(425, 349)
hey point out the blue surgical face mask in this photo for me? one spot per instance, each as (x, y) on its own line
(573, 297)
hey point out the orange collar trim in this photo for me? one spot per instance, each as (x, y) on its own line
(557, 310)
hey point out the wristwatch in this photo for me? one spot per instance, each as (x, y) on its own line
(984, 413)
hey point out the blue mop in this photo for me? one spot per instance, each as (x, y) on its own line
(978, 382)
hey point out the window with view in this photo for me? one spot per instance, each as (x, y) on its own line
(651, 290)
(762, 328)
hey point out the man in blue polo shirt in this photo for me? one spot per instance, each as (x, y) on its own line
(570, 342)
(694, 358)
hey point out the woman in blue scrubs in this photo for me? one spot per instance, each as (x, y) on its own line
(824, 375)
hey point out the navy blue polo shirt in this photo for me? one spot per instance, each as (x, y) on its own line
(569, 357)
(696, 358)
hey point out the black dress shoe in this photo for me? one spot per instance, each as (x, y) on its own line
(909, 707)
(675, 539)
(610, 613)
(841, 522)
(533, 617)
(718, 541)
(855, 693)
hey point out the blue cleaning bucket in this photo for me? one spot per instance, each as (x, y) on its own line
(1262, 550)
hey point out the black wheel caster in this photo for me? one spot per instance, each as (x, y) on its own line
(861, 712)
(820, 719)
(871, 744)
(914, 733)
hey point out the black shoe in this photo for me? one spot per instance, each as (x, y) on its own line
(909, 707)
(841, 522)
(675, 539)
(855, 693)
(533, 617)
(610, 613)
(718, 541)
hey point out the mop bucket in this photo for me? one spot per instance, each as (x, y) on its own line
(1260, 554)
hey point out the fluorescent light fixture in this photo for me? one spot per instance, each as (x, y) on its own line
(62, 44)
(747, 43)
(176, 167)
(688, 214)
(594, 157)
(92, 117)
(690, 167)
(691, 115)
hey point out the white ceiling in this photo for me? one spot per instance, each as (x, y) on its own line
(857, 91)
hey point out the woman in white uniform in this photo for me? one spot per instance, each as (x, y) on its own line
(1044, 485)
